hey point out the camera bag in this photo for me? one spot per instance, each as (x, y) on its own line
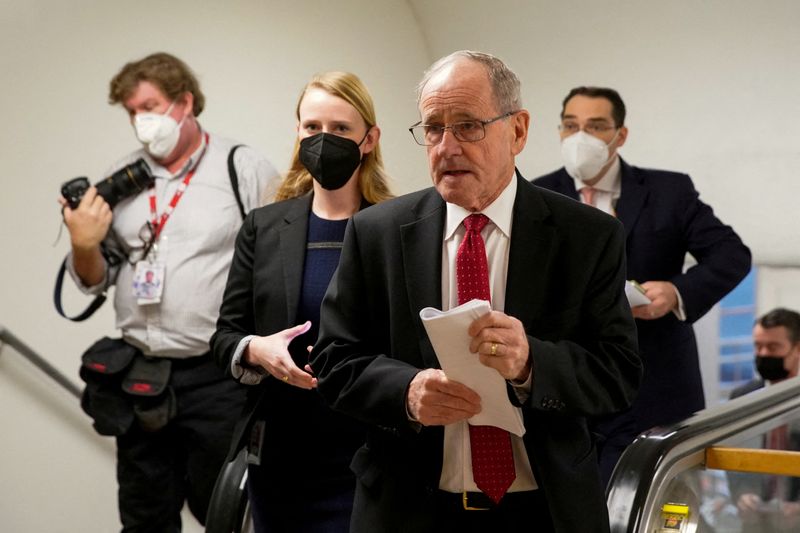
(147, 381)
(124, 386)
(103, 368)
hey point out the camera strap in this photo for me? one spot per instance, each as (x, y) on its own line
(235, 179)
(89, 311)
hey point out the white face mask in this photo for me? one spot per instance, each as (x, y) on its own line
(585, 155)
(158, 133)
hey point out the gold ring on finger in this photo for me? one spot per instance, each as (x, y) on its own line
(285, 379)
(494, 348)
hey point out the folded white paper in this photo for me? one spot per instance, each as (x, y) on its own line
(634, 295)
(448, 334)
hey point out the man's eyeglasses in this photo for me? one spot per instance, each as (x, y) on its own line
(148, 238)
(465, 131)
(593, 128)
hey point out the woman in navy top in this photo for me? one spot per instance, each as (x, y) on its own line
(299, 450)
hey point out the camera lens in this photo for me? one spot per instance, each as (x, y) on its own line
(125, 182)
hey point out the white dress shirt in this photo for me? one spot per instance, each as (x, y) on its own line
(457, 463)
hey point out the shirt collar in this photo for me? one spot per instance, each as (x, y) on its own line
(499, 212)
(610, 182)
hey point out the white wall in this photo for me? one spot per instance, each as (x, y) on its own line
(777, 287)
(56, 58)
(712, 89)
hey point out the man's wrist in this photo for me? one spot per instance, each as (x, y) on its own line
(521, 378)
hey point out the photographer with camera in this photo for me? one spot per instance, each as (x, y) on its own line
(167, 246)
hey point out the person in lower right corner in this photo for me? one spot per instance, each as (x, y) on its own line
(766, 501)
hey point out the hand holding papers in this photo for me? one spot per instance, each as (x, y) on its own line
(635, 294)
(448, 334)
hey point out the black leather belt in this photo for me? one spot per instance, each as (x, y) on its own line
(477, 501)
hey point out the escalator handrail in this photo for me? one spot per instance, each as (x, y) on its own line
(228, 506)
(650, 462)
(41, 363)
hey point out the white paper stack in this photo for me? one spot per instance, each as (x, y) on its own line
(635, 295)
(448, 334)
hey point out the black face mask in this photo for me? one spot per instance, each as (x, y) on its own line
(331, 159)
(771, 368)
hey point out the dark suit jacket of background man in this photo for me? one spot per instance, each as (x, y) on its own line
(664, 219)
(566, 286)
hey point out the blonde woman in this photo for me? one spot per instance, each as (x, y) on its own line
(299, 477)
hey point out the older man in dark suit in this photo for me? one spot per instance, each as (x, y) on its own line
(664, 220)
(560, 331)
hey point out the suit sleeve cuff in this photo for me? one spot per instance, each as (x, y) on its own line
(680, 309)
(243, 374)
(522, 388)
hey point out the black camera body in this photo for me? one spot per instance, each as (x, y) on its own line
(123, 183)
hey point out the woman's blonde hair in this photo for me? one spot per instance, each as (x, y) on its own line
(373, 180)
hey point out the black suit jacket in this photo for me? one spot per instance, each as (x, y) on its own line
(664, 220)
(262, 297)
(564, 282)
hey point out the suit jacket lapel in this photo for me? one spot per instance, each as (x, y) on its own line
(530, 256)
(292, 238)
(632, 197)
(421, 241)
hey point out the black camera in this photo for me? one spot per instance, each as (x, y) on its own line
(123, 183)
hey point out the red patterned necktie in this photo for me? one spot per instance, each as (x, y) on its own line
(492, 458)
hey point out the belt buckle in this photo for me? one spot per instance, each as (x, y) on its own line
(467, 506)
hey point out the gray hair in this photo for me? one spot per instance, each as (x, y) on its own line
(505, 84)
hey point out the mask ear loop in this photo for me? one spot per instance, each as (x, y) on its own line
(614, 138)
(169, 109)
(369, 129)
(365, 136)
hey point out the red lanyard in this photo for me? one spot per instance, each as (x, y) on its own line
(158, 224)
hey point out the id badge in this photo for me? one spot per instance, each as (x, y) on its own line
(148, 282)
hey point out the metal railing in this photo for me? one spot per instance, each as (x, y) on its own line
(6, 337)
(228, 510)
(642, 476)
